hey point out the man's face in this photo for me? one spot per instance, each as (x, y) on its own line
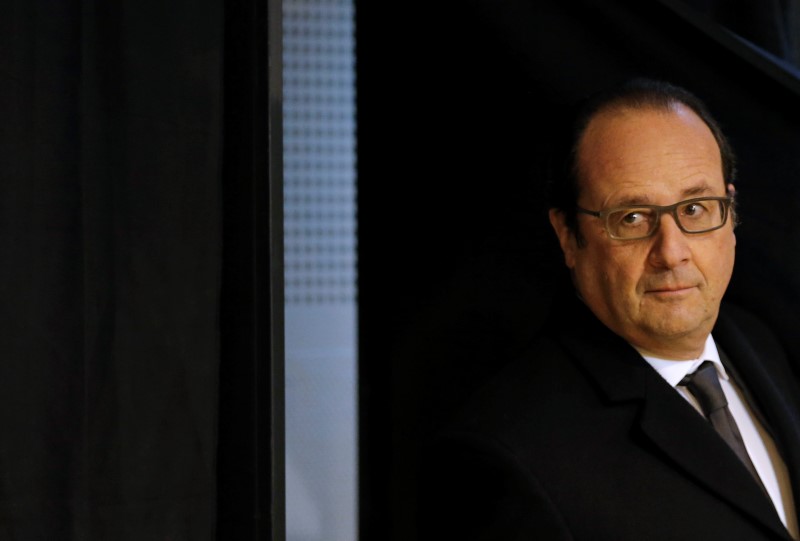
(661, 294)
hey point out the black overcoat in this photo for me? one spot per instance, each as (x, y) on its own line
(580, 439)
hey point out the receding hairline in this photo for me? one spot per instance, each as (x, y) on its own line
(626, 105)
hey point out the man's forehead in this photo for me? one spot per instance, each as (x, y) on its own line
(633, 151)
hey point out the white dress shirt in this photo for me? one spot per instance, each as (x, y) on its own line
(757, 441)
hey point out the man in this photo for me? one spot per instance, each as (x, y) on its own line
(605, 429)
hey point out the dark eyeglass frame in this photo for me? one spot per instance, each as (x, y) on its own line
(726, 201)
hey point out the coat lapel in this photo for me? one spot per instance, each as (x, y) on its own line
(760, 365)
(682, 437)
(694, 447)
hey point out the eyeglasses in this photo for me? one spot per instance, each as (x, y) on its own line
(699, 215)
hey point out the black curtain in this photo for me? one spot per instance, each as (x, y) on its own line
(457, 104)
(123, 271)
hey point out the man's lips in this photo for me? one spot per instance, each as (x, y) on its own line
(667, 290)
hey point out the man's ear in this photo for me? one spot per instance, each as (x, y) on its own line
(566, 237)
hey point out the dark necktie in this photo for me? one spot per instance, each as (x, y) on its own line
(704, 386)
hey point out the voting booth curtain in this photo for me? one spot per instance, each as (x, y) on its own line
(126, 336)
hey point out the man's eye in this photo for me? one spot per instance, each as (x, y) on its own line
(633, 218)
(694, 210)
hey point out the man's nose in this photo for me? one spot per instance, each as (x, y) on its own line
(670, 246)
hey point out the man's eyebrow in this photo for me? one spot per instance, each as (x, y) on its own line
(633, 201)
(701, 189)
(640, 200)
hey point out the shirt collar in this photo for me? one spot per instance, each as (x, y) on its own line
(674, 371)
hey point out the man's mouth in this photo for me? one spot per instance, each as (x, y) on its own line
(669, 290)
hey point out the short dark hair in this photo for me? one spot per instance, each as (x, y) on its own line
(564, 181)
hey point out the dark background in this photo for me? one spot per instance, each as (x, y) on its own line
(457, 103)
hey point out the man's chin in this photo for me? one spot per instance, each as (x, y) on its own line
(677, 324)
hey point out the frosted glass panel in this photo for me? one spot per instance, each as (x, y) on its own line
(320, 262)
